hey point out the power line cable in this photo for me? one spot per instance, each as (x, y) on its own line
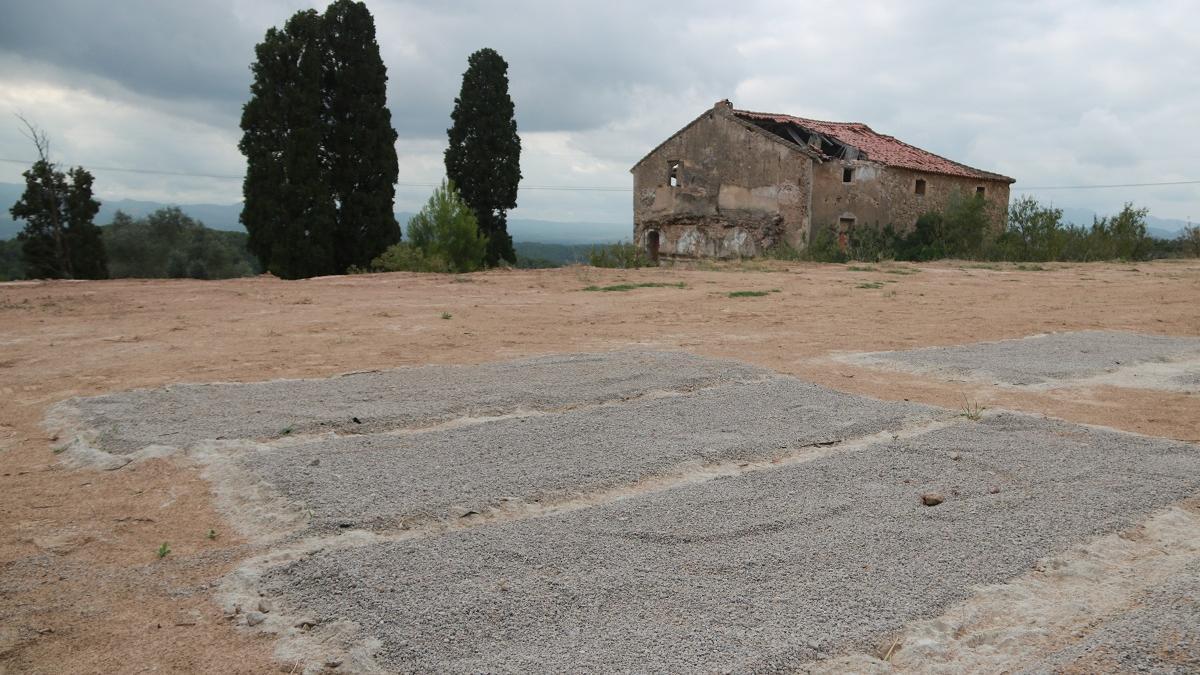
(587, 188)
(1098, 187)
(185, 174)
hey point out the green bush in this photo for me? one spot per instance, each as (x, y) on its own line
(621, 255)
(12, 264)
(872, 244)
(1189, 241)
(404, 257)
(445, 231)
(824, 247)
(867, 244)
(785, 251)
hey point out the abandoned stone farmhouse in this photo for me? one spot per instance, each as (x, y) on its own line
(734, 183)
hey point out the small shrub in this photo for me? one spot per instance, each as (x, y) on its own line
(164, 549)
(621, 255)
(824, 248)
(870, 284)
(404, 257)
(748, 294)
(971, 409)
(212, 535)
(1189, 241)
(785, 251)
(446, 315)
(446, 229)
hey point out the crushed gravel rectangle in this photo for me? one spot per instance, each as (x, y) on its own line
(381, 481)
(184, 414)
(1044, 359)
(759, 572)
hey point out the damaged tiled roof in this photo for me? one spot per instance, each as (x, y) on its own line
(876, 147)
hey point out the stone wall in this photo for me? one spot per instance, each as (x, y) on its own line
(739, 191)
(882, 195)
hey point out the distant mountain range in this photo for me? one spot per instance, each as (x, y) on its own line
(225, 217)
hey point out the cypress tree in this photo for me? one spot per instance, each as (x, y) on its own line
(319, 146)
(59, 240)
(484, 157)
(360, 143)
(288, 209)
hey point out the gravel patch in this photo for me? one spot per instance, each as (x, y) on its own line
(184, 414)
(763, 571)
(1046, 359)
(1189, 380)
(1159, 635)
(382, 481)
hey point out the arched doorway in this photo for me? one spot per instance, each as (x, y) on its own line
(652, 245)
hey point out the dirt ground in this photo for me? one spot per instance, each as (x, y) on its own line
(81, 586)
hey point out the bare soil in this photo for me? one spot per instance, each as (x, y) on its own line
(81, 586)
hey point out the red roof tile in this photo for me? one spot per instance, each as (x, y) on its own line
(877, 147)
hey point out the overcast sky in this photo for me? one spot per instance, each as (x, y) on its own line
(1052, 92)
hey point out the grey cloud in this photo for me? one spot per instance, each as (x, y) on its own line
(169, 50)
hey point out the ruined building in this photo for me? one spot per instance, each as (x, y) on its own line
(734, 183)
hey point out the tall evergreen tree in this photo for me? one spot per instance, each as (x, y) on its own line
(59, 240)
(319, 146)
(360, 143)
(288, 208)
(484, 157)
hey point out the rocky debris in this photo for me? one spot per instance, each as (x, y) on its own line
(255, 618)
(264, 606)
(994, 490)
(932, 498)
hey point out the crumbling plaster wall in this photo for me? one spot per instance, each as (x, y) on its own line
(739, 191)
(882, 195)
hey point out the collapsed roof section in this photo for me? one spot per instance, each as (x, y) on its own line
(854, 140)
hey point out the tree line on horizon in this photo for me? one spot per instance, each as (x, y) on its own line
(1033, 232)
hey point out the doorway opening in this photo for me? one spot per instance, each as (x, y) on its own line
(652, 245)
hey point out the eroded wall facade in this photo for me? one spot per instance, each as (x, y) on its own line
(737, 192)
(879, 195)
